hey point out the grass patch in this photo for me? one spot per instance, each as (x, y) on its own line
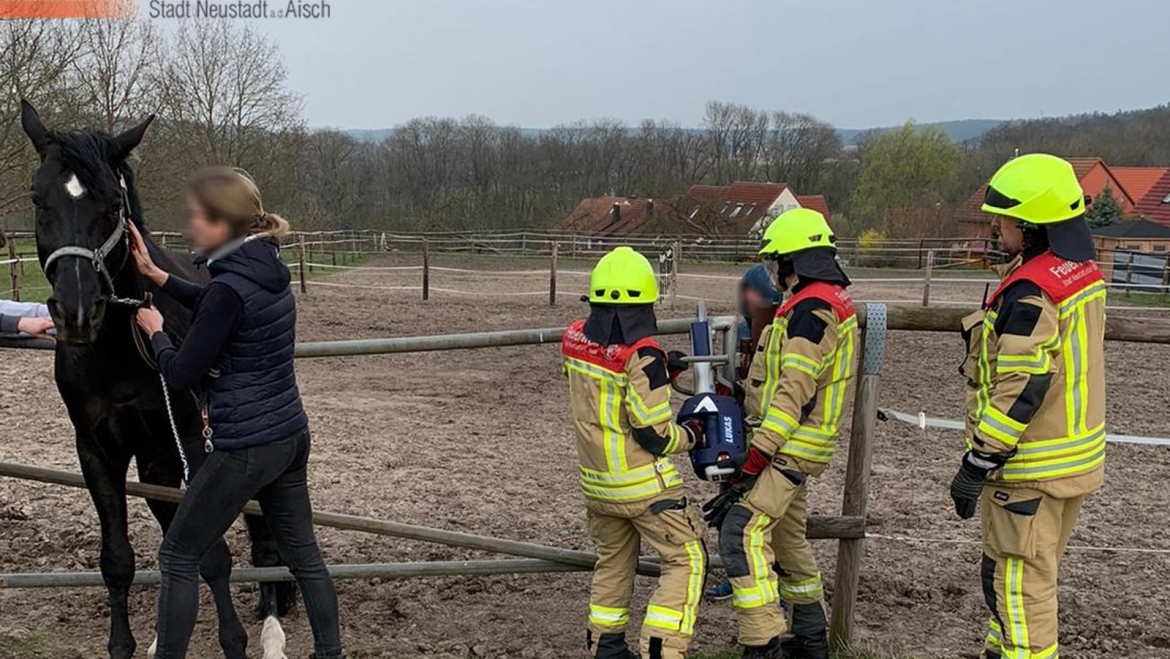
(1151, 300)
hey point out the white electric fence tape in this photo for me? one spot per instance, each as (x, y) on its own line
(924, 422)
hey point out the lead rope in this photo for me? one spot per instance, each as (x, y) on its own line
(175, 428)
(144, 353)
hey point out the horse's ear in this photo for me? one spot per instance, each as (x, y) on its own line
(33, 127)
(126, 142)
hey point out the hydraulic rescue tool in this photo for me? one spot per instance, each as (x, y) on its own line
(721, 416)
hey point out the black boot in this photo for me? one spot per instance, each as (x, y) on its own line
(806, 647)
(610, 646)
(769, 651)
(809, 639)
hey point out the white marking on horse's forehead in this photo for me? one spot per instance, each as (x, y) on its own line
(74, 187)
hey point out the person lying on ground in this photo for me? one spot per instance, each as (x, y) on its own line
(25, 318)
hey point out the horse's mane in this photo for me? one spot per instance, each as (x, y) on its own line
(86, 153)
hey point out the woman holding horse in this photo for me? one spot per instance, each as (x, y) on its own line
(238, 358)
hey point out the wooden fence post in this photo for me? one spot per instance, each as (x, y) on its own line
(426, 269)
(552, 276)
(677, 254)
(332, 247)
(857, 473)
(1129, 275)
(14, 269)
(929, 272)
(1166, 279)
(301, 241)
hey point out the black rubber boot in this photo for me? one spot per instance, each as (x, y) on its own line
(610, 646)
(770, 651)
(805, 647)
(810, 639)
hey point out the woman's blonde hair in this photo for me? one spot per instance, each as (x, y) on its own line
(231, 195)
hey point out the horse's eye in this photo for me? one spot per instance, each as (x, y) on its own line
(36, 199)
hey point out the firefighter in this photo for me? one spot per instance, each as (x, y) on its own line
(1035, 390)
(795, 395)
(619, 391)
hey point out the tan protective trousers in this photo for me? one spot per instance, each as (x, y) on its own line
(763, 534)
(672, 526)
(1025, 534)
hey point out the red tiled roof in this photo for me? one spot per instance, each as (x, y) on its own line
(1082, 166)
(1155, 206)
(595, 216)
(1137, 181)
(817, 203)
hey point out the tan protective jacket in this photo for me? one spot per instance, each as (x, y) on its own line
(1035, 372)
(620, 398)
(796, 388)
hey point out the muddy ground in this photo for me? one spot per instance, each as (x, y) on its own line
(478, 441)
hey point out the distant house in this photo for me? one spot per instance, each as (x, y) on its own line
(610, 216)
(1114, 241)
(1137, 181)
(1095, 176)
(742, 209)
(1155, 204)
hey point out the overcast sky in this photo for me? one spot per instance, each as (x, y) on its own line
(854, 63)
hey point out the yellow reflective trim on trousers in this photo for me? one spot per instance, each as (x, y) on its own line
(1016, 635)
(663, 618)
(761, 592)
(604, 616)
(1047, 653)
(697, 561)
(994, 634)
(807, 589)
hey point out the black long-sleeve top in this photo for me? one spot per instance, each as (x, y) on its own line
(218, 310)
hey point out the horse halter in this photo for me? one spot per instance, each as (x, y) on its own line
(97, 257)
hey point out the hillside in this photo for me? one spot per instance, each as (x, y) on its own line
(961, 130)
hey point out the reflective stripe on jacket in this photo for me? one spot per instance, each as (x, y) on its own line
(805, 375)
(1036, 373)
(615, 393)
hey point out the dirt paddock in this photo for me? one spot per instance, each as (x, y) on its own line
(479, 441)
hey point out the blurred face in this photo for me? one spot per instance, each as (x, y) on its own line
(206, 233)
(1011, 237)
(752, 298)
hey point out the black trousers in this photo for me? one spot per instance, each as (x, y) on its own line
(274, 475)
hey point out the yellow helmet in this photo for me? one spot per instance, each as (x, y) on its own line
(795, 231)
(623, 277)
(1038, 189)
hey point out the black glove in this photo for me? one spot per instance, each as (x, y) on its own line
(698, 431)
(967, 485)
(715, 510)
(675, 366)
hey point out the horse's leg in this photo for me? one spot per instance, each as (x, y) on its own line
(216, 568)
(276, 599)
(105, 477)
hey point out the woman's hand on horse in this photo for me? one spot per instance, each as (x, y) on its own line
(36, 327)
(142, 260)
(150, 320)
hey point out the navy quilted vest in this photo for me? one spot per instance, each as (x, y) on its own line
(251, 395)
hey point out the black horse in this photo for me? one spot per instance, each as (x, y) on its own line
(84, 195)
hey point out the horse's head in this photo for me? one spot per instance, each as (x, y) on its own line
(81, 204)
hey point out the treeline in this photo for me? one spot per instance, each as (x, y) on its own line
(222, 96)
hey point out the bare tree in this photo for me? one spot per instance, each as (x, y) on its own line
(113, 74)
